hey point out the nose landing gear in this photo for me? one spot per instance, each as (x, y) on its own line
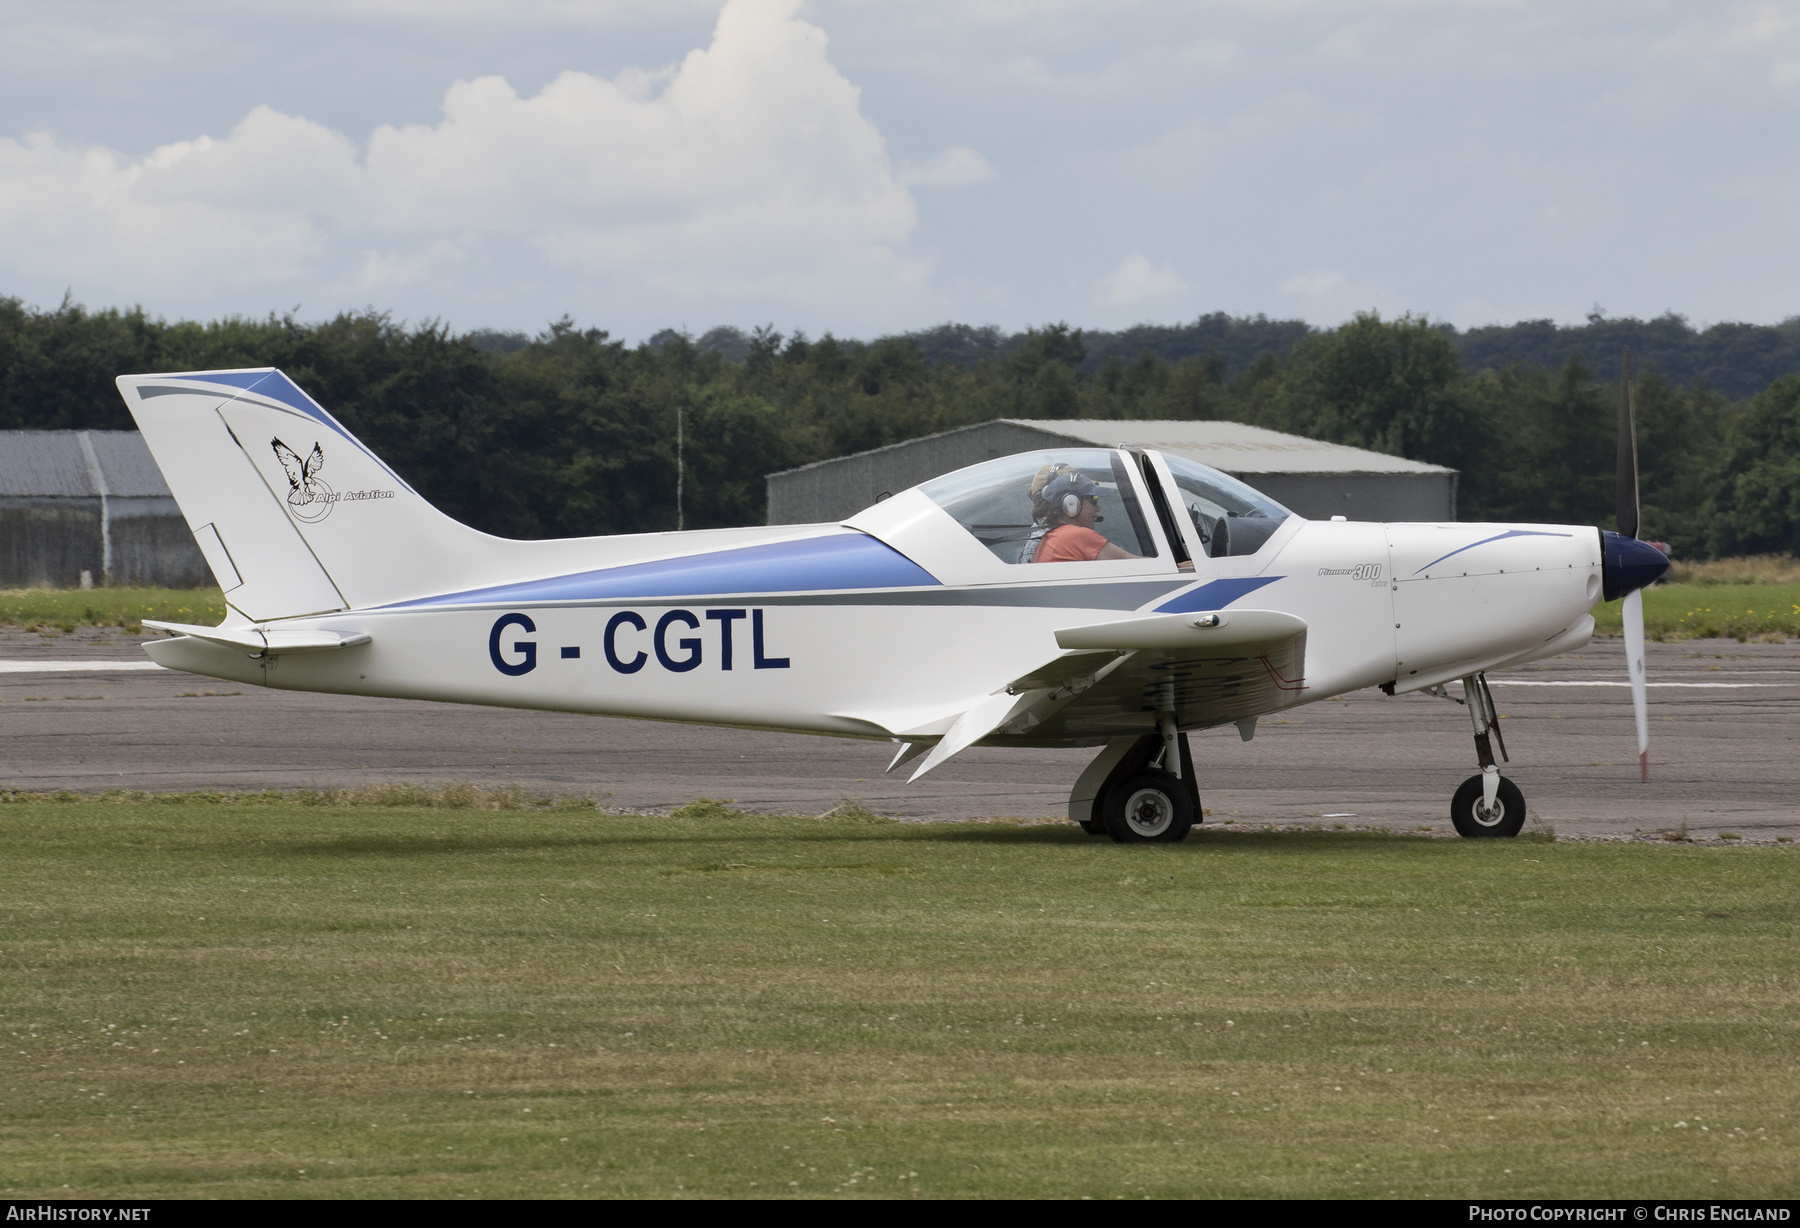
(1488, 804)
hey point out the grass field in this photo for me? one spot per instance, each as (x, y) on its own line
(67, 608)
(1698, 611)
(268, 998)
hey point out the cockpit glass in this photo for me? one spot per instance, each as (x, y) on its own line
(995, 502)
(1232, 518)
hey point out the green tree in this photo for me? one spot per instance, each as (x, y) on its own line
(1039, 378)
(1389, 386)
(57, 367)
(1681, 439)
(1757, 507)
(1553, 447)
(572, 433)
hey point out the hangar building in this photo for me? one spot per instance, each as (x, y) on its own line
(81, 508)
(1318, 480)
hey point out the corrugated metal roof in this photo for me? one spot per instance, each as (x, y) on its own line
(125, 459)
(1230, 446)
(52, 464)
(44, 463)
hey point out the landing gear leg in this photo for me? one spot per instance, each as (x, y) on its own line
(1488, 804)
(1167, 804)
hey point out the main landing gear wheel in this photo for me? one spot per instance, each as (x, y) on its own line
(1150, 806)
(1475, 821)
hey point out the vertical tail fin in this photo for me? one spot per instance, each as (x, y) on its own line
(293, 513)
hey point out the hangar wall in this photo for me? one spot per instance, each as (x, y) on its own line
(1361, 496)
(1315, 479)
(94, 502)
(839, 488)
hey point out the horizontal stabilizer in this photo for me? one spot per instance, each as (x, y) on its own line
(260, 642)
(1199, 633)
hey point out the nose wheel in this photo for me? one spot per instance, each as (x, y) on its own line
(1474, 816)
(1488, 804)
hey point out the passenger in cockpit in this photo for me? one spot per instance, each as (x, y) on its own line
(1065, 503)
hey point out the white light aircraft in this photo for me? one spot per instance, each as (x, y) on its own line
(915, 621)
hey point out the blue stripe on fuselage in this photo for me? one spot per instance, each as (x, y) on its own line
(838, 561)
(1498, 537)
(1215, 596)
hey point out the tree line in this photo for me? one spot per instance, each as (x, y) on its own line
(1738, 360)
(571, 432)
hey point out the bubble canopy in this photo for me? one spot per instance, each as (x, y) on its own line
(993, 500)
(1231, 518)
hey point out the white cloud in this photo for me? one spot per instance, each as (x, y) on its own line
(382, 271)
(1210, 53)
(746, 169)
(1329, 296)
(87, 213)
(1314, 284)
(1438, 154)
(1773, 33)
(954, 168)
(1136, 279)
(529, 13)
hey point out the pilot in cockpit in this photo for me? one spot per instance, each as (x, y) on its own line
(1065, 504)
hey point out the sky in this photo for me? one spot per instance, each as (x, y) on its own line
(863, 168)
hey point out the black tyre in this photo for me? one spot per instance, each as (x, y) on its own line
(1145, 807)
(1506, 819)
(1093, 827)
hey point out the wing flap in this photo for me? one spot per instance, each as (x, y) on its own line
(1069, 668)
(974, 725)
(1208, 668)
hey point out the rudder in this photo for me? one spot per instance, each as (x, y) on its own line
(293, 513)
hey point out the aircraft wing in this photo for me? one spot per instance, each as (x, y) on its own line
(1208, 668)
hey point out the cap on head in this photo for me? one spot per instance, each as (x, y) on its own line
(1068, 489)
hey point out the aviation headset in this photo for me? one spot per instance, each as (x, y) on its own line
(1067, 491)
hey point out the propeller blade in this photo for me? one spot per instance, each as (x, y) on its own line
(1633, 610)
(1627, 494)
(1634, 660)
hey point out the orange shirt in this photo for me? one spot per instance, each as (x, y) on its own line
(1070, 543)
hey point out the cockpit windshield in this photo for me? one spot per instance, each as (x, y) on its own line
(1232, 518)
(1013, 505)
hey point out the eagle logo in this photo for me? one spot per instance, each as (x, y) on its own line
(308, 498)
